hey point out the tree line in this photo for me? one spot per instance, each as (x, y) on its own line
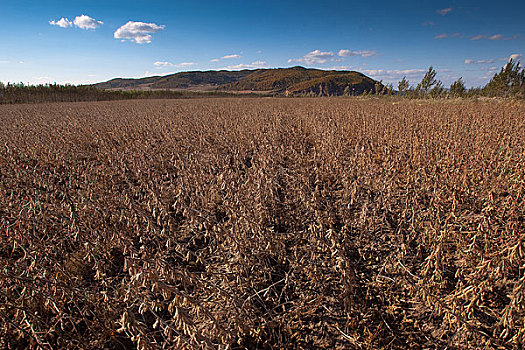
(22, 93)
(509, 82)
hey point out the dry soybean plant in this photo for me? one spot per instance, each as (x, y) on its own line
(262, 224)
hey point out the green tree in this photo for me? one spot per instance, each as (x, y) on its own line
(437, 90)
(474, 92)
(412, 93)
(403, 86)
(509, 81)
(428, 81)
(457, 89)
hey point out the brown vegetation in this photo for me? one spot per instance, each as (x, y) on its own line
(299, 80)
(262, 224)
(20, 93)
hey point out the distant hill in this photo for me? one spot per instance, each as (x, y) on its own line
(295, 80)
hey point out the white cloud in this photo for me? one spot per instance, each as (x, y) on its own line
(496, 37)
(86, 22)
(471, 61)
(443, 12)
(451, 35)
(253, 65)
(164, 64)
(227, 57)
(488, 72)
(186, 64)
(350, 53)
(3, 61)
(63, 22)
(139, 32)
(406, 72)
(161, 64)
(477, 37)
(82, 22)
(314, 57)
(318, 56)
(516, 57)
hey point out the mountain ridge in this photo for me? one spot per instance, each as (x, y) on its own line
(293, 80)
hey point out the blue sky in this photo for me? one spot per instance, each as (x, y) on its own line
(90, 41)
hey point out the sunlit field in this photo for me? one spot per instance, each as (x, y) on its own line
(270, 223)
